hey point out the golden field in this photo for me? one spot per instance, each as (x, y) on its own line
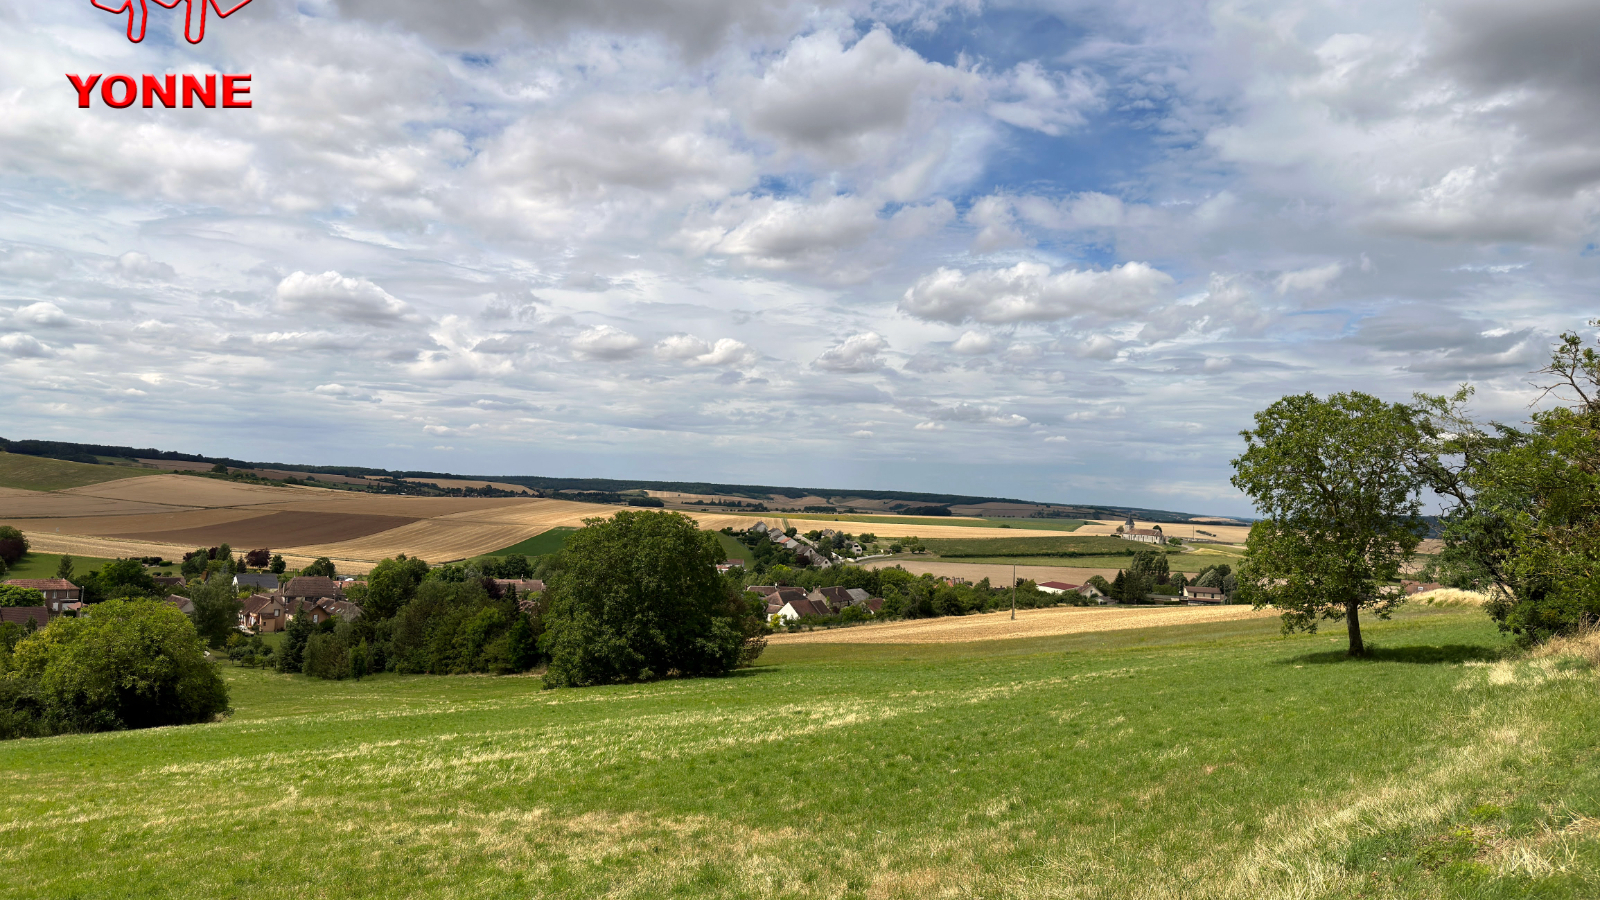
(1029, 623)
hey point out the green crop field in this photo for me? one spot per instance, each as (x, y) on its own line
(539, 545)
(36, 473)
(1213, 761)
(878, 524)
(43, 565)
(951, 548)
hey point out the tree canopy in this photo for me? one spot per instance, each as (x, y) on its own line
(1341, 503)
(637, 597)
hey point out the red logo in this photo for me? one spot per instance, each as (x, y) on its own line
(194, 26)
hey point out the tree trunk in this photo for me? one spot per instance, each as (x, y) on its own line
(1352, 621)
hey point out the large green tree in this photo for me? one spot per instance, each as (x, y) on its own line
(11, 595)
(1522, 511)
(1341, 508)
(637, 597)
(216, 609)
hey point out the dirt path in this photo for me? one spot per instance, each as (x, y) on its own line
(1029, 623)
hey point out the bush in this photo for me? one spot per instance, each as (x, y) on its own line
(13, 545)
(326, 656)
(124, 664)
(637, 597)
(11, 595)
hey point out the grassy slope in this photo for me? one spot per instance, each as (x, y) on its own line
(1209, 761)
(35, 473)
(43, 565)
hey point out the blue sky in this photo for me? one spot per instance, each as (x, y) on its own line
(1054, 250)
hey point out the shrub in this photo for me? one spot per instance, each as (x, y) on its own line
(13, 545)
(326, 656)
(124, 664)
(11, 595)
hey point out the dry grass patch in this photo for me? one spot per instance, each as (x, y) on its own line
(1029, 623)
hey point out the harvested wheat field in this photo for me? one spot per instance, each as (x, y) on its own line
(435, 540)
(1030, 623)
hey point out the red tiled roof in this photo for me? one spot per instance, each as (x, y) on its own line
(21, 614)
(1059, 585)
(43, 584)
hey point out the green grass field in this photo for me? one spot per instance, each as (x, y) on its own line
(879, 525)
(952, 548)
(1215, 761)
(43, 565)
(733, 548)
(35, 473)
(539, 545)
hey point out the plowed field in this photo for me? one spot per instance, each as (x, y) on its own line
(1029, 623)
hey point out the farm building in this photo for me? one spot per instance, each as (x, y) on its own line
(1203, 596)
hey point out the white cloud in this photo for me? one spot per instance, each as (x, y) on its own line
(1031, 292)
(355, 300)
(1313, 280)
(694, 352)
(605, 342)
(41, 315)
(24, 346)
(973, 343)
(856, 353)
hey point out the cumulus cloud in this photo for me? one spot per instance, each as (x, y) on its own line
(973, 343)
(1031, 292)
(355, 300)
(693, 351)
(40, 315)
(605, 342)
(847, 103)
(856, 353)
(24, 346)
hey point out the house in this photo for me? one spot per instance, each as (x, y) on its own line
(1093, 593)
(22, 615)
(730, 564)
(262, 614)
(1057, 587)
(184, 604)
(834, 598)
(1203, 596)
(1130, 532)
(311, 587)
(523, 586)
(311, 609)
(172, 581)
(780, 597)
(259, 581)
(759, 528)
(344, 609)
(801, 606)
(58, 592)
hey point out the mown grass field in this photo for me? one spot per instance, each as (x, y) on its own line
(43, 565)
(36, 473)
(1202, 761)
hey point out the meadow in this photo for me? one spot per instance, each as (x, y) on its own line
(539, 545)
(43, 565)
(36, 473)
(1208, 761)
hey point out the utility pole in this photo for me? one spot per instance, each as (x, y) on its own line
(1013, 592)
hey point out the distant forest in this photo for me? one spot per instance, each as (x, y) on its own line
(97, 453)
